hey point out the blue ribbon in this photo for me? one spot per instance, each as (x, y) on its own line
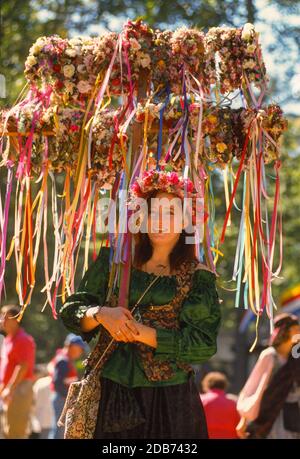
(161, 119)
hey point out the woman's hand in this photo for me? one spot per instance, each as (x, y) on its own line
(147, 335)
(6, 395)
(241, 429)
(119, 319)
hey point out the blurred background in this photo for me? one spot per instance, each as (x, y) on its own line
(278, 21)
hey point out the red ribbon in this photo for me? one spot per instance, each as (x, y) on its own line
(235, 185)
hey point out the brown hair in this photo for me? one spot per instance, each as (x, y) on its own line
(143, 249)
(282, 324)
(214, 380)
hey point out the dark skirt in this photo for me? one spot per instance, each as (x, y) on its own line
(163, 412)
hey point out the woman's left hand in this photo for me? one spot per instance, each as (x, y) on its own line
(133, 326)
(147, 335)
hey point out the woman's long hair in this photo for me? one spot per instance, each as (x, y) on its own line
(181, 252)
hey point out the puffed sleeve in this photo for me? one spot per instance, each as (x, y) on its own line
(200, 317)
(91, 292)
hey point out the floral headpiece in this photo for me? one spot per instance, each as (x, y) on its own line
(168, 181)
(161, 180)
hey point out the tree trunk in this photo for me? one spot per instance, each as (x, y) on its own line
(251, 11)
(137, 133)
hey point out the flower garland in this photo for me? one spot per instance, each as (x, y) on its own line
(67, 66)
(163, 69)
(168, 181)
(107, 155)
(239, 53)
(273, 124)
(223, 131)
(188, 54)
(217, 127)
(71, 67)
(135, 54)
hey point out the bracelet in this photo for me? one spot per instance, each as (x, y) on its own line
(95, 314)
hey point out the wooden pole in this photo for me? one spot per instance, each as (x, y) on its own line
(137, 140)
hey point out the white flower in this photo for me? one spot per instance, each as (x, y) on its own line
(81, 68)
(248, 31)
(251, 49)
(69, 70)
(71, 52)
(83, 86)
(134, 44)
(249, 64)
(41, 41)
(30, 61)
(75, 41)
(35, 49)
(78, 50)
(38, 45)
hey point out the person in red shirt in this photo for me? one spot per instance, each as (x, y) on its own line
(16, 374)
(221, 414)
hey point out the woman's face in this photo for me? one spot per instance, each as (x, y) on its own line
(165, 218)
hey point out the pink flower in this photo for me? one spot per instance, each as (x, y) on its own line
(147, 178)
(136, 189)
(83, 86)
(174, 179)
(190, 186)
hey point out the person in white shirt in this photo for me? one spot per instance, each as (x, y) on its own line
(43, 409)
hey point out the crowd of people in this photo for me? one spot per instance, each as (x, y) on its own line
(32, 396)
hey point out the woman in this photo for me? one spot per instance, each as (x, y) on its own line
(270, 400)
(147, 383)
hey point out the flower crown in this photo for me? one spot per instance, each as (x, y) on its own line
(161, 180)
(168, 181)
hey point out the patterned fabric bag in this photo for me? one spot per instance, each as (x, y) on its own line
(79, 415)
(81, 407)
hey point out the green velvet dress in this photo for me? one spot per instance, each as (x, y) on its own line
(195, 342)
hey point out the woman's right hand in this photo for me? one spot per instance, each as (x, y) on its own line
(119, 319)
